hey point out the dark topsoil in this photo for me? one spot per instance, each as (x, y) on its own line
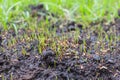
(79, 66)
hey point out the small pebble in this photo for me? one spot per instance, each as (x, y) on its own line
(93, 38)
(92, 52)
(96, 57)
(82, 61)
(111, 61)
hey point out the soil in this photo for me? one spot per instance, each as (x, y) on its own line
(74, 64)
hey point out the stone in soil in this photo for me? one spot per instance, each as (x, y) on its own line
(92, 52)
(110, 61)
(96, 57)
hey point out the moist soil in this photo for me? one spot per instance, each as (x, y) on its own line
(75, 64)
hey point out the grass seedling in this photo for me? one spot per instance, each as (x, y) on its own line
(11, 76)
(39, 48)
(3, 77)
(13, 41)
(84, 45)
(15, 28)
(24, 51)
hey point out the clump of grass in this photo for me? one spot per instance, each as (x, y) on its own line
(85, 11)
